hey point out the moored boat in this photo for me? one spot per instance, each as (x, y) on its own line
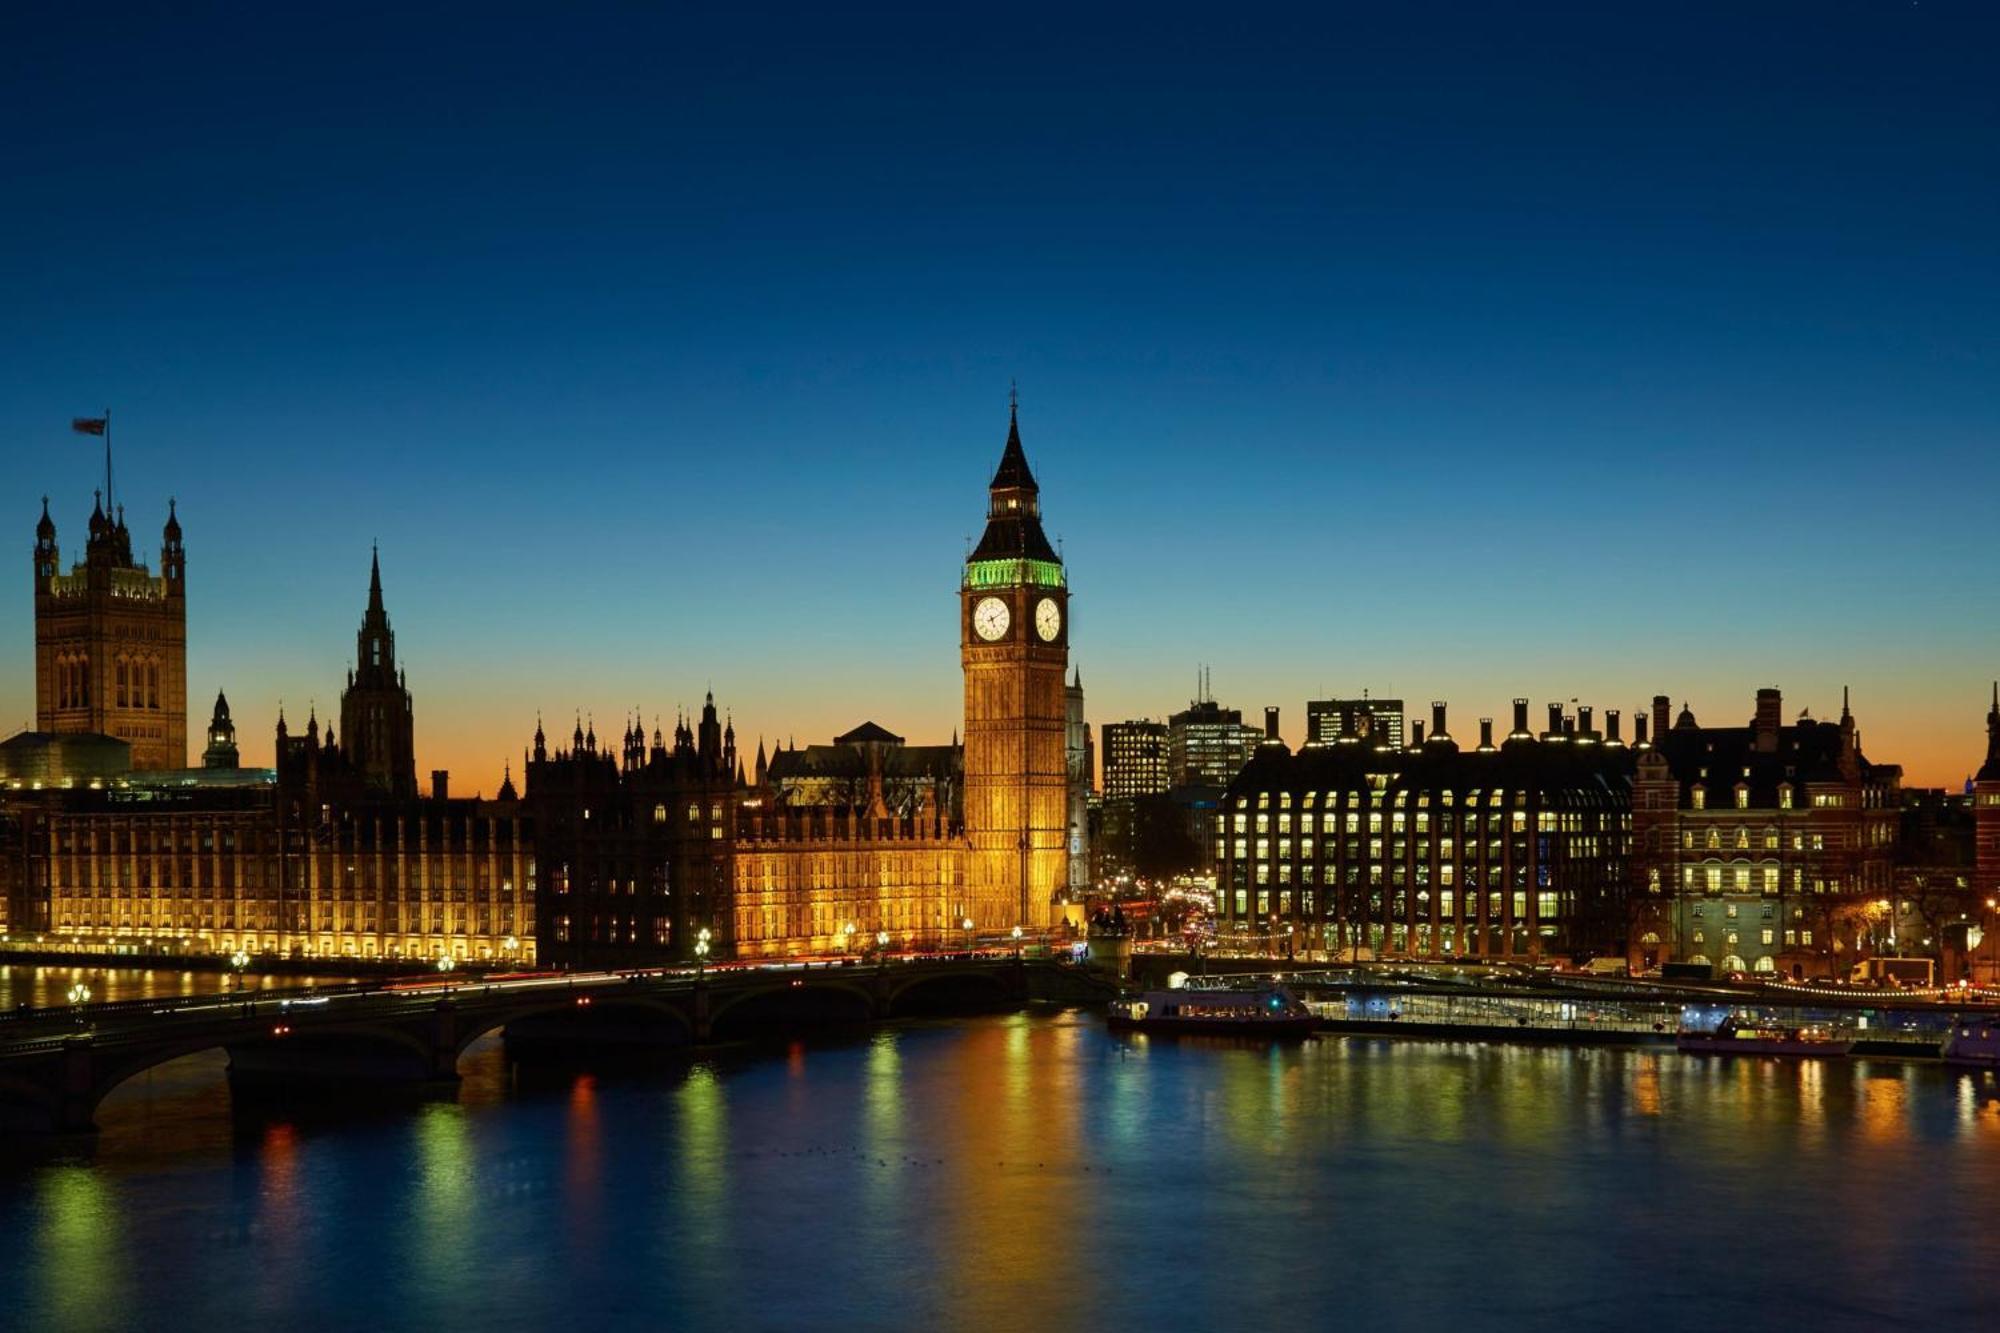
(1267, 1011)
(1735, 1037)
(1973, 1042)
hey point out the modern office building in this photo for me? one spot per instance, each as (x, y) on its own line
(1135, 760)
(1372, 721)
(1207, 745)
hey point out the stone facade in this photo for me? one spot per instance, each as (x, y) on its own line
(111, 640)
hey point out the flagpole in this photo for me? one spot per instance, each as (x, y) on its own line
(107, 461)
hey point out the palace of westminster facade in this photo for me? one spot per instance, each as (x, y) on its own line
(1756, 848)
(108, 841)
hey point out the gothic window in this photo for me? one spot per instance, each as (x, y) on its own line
(123, 693)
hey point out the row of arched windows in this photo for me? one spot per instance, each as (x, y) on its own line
(136, 682)
(72, 682)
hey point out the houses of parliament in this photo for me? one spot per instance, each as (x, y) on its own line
(605, 854)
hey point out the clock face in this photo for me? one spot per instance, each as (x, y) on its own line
(990, 619)
(1048, 619)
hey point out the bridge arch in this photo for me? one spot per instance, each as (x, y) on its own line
(668, 1015)
(794, 999)
(953, 992)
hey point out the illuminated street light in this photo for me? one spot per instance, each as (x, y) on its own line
(967, 924)
(510, 946)
(701, 954)
(445, 963)
(1017, 944)
(239, 960)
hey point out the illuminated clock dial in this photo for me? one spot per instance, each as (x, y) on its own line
(1048, 619)
(990, 619)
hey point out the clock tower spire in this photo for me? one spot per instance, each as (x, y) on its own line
(1014, 647)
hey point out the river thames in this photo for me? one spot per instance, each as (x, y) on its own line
(1033, 1171)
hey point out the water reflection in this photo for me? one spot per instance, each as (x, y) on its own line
(1032, 1170)
(77, 1267)
(46, 986)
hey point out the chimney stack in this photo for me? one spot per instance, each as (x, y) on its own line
(1416, 734)
(1438, 732)
(1639, 731)
(1485, 733)
(1520, 731)
(1661, 718)
(1555, 730)
(440, 784)
(1611, 736)
(1271, 722)
(1770, 716)
(1583, 713)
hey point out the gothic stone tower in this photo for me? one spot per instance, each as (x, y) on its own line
(1014, 646)
(376, 720)
(111, 639)
(1986, 831)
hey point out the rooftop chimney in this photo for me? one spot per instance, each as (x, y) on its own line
(1662, 719)
(1416, 734)
(1583, 722)
(1438, 732)
(1555, 731)
(1520, 731)
(1485, 733)
(1770, 716)
(1639, 731)
(440, 784)
(1271, 723)
(1611, 736)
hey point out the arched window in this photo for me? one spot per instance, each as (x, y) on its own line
(119, 671)
(1733, 963)
(1767, 964)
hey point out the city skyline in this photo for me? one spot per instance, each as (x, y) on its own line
(1450, 370)
(474, 733)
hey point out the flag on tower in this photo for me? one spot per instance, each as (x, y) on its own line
(89, 425)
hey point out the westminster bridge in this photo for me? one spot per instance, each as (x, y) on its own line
(56, 1065)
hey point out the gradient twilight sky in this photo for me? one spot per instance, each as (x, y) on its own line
(1449, 350)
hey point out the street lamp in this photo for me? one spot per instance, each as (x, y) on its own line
(510, 946)
(1017, 944)
(967, 925)
(701, 953)
(445, 963)
(79, 996)
(239, 960)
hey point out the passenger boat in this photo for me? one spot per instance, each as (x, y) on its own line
(1734, 1037)
(1974, 1042)
(1268, 1011)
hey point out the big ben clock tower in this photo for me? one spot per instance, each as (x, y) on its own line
(1014, 645)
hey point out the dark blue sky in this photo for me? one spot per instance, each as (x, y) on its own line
(1455, 350)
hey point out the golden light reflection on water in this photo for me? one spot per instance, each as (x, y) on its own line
(701, 1154)
(445, 1195)
(78, 1244)
(976, 1167)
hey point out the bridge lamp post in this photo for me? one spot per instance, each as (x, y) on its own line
(1017, 944)
(239, 960)
(701, 954)
(445, 963)
(510, 946)
(967, 926)
(79, 996)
